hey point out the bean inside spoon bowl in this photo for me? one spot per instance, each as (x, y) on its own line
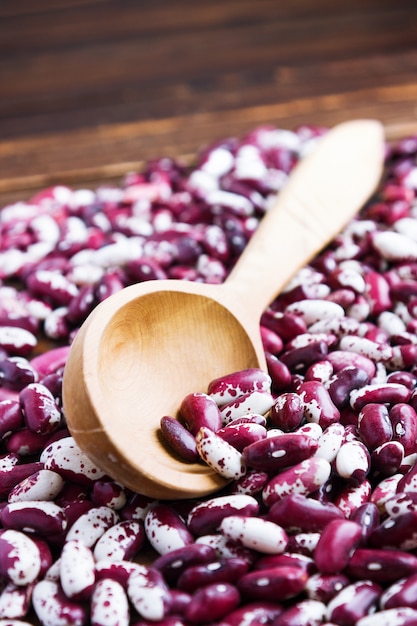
(146, 347)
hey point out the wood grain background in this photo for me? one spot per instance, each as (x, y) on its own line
(91, 88)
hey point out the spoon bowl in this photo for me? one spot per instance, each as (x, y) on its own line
(143, 349)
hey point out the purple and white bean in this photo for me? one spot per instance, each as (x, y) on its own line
(320, 451)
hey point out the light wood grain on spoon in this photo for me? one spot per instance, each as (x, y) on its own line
(143, 349)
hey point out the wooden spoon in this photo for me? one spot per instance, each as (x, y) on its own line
(144, 348)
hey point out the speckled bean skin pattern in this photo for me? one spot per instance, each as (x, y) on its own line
(316, 522)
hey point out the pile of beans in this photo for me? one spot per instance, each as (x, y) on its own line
(317, 523)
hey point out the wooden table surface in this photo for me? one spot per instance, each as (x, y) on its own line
(91, 88)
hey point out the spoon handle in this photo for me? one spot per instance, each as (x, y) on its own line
(325, 190)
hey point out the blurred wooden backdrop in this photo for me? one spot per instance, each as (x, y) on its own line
(90, 88)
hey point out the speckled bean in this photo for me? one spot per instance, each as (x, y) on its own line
(324, 587)
(252, 614)
(303, 543)
(408, 483)
(374, 425)
(276, 584)
(39, 409)
(314, 310)
(90, 526)
(351, 497)
(231, 386)
(21, 560)
(219, 455)
(14, 473)
(240, 435)
(255, 533)
(252, 402)
(390, 393)
(403, 616)
(17, 341)
(320, 371)
(401, 593)
(11, 417)
(149, 594)
(68, 460)
(108, 493)
(304, 478)
(300, 358)
(398, 533)
(52, 285)
(318, 405)
(225, 548)
(77, 570)
(120, 542)
(15, 602)
(303, 613)
(387, 459)
(16, 372)
(166, 530)
(206, 516)
(381, 566)
(41, 485)
(174, 563)
(287, 412)
(384, 490)
(401, 503)
(117, 570)
(343, 382)
(42, 517)
(53, 608)
(109, 604)
(353, 461)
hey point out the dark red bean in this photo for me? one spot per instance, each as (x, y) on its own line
(275, 584)
(324, 587)
(336, 544)
(381, 566)
(179, 439)
(398, 533)
(368, 517)
(374, 425)
(297, 513)
(173, 564)
(206, 516)
(404, 426)
(199, 409)
(278, 371)
(16, 372)
(218, 571)
(212, 603)
(272, 454)
(345, 381)
(11, 417)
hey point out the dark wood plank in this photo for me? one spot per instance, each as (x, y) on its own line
(91, 88)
